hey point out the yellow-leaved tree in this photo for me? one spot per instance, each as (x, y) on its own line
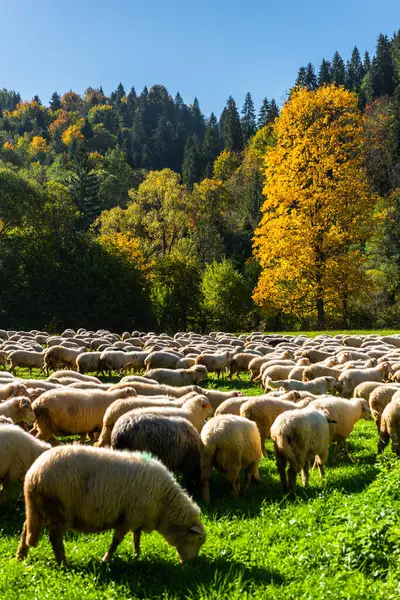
(318, 212)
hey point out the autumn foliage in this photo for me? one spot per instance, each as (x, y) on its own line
(318, 211)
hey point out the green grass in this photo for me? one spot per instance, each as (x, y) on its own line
(337, 331)
(340, 538)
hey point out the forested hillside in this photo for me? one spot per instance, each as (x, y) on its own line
(137, 210)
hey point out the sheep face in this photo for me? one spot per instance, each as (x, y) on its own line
(334, 385)
(366, 411)
(187, 540)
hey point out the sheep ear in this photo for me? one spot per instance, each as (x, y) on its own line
(195, 529)
(328, 416)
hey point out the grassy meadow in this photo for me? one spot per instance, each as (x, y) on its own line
(340, 538)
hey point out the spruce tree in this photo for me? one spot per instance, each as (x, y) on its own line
(211, 146)
(37, 99)
(198, 125)
(231, 128)
(191, 165)
(83, 185)
(248, 118)
(382, 69)
(273, 111)
(338, 70)
(356, 70)
(324, 73)
(366, 62)
(301, 77)
(263, 114)
(310, 80)
(55, 101)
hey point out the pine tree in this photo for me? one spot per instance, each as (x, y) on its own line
(325, 73)
(198, 125)
(338, 70)
(231, 128)
(83, 185)
(356, 70)
(118, 94)
(273, 111)
(37, 99)
(191, 165)
(382, 69)
(163, 144)
(366, 62)
(249, 118)
(310, 80)
(211, 146)
(263, 114)
(178, 101)
(301, 77)
(55, 101)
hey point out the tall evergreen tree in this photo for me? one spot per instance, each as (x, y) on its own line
(211, 146)
(37, 99)
(191, 165)
(198, 125)
(83, 185)
(382, 69)
(366, 62)
(338, 70)
(263, 113)
(55, 101)
(325, 73)
(248, 118)
(118, 94)
(354, 71)
(163, 144)
(273, 111)
(310, 80)
(230, 127)
(301, 77)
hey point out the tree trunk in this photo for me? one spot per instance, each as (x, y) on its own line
(321, 313)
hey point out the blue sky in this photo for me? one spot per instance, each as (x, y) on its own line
(208, 49)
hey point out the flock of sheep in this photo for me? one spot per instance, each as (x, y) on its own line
(160, 421)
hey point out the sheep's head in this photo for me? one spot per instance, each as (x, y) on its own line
(365, 410)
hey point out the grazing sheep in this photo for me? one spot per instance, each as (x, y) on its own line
(379, 399)
(319, 370)
(232, 444)
(61, 356)
(344, 414)
(77, 376)
(179, 377)
(320, 385)
(216, 397)
(124, 405)
(70, 412)
(18, 450)
(365, 389)
(196, 410)
(240, 364)
(89, 362)
(215, 363)
(116, 360)
(263, 410)
(161, 360)
(276, 372)
(299, 437)
(172, 440)
(92, 490)
(185, 363)
(12, 389)
(138, 379)
(315, 356)
(353, 377)
(25, 359)
(390, 427)
(18, 409)
(231, 406)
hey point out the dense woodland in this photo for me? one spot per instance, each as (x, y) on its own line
(135, 210)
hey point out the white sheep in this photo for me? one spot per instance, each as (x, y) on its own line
(179, 377)
(353, 377)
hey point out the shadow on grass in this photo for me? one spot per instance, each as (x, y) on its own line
(150, 578)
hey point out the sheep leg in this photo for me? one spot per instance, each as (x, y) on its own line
(335, 451)
(56, 540)
(23, 547)
(292, 474)
(248, 474)
(136, 540)
(384, 438)
(82, 438)
(346, 451)
(305, 473)
(119, 534)
(281, 466)
(233, 478)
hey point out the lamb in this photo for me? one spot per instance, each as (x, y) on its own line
(59, 355)
(124, 405)
(299, 436)
(263, 410)
(89, 362)
(161, 360)
(18, 409)
(320, 385)
(379, 399)
(173, 440)
(18, 450)
(390, 427)
(92, 490)
(215, 363)
(25, 359)
(352, 377)
(70, 411)
(179, 377)
(232, 444)
(195, 410)
(345, 414)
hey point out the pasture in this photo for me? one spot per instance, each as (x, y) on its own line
(337, 539)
